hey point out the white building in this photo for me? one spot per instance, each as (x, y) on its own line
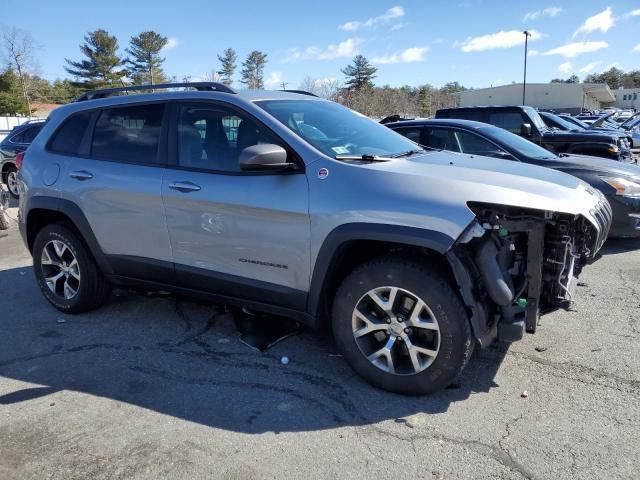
(627, 98)
(560, 97)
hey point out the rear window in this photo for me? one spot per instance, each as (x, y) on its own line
(475, 115)
(68, 137)
(128, 134)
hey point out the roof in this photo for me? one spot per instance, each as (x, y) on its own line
(454, 122)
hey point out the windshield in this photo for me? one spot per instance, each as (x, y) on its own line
(564, 124)
(536, 119)
(516, 142)
(336, 130)
(576, 121)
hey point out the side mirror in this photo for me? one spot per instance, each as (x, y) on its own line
(266, 156)
(525, 130)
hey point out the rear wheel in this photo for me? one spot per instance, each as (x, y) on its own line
(401, 326)
(66, 272)
(12, 181)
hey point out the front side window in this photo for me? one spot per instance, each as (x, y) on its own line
(128, 134)
(475, 145)
(68, 137)
(336, 130)
(211, 137)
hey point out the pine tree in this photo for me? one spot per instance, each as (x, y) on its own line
(145, 61)
(227, 65)
(100, 68)
(253, 70)
(359, 74)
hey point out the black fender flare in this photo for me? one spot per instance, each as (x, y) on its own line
(79, 220)
(412, 236)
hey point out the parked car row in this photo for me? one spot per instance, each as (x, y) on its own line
(16, 142)
(290, 204)
(618, 181)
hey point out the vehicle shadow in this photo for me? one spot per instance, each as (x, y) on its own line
(184, 359)
(620, 245)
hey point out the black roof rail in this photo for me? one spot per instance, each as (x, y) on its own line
(301, 92)
(107, 92)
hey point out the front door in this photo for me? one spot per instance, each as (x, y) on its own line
(234, 233)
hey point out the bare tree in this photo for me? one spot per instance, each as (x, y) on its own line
(19, 47)
(212, 76)
(325, 87)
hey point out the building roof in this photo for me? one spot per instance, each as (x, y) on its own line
(599, 91)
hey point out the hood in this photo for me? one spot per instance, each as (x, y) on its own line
(582, 135)
(482, 179)
(594, 164)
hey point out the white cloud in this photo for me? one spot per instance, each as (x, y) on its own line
(410, 55)
(501, 39)
(551, 12)
(345, 49)
(636, 48)
(590, 67)
(610, 66)
(571, 50)
(633, 13)
(172, 42)
(397, 26)
(565, 67)
(602, 21)
(391, 14)
(274, 80)
(533, 53)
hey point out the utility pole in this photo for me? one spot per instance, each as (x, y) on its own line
(524, 83)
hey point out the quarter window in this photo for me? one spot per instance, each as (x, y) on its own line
(128, 134)
(211, 137)
(68, 137)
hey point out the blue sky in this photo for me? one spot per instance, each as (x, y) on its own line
(477, 43)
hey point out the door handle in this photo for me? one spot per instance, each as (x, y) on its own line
(184, 187)
(81, 175)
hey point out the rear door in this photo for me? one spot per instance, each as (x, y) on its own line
(116, 181)
(235, 233)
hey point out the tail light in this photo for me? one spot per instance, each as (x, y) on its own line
(19, 159)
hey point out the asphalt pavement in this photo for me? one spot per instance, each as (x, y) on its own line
(154, 386)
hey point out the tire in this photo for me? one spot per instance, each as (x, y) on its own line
(444, 329)
(91, 288)
(11, 177)
(4, 223)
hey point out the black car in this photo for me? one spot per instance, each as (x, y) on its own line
(619, 182)
(17, 141)
(526, 122)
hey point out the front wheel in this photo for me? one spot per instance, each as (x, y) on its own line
(401, 326)
(12, 182)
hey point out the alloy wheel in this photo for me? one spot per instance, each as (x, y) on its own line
(12, 182)
(60, 269)
(396, 330)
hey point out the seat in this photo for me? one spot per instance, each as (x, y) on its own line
(248, 135)
(190, 146)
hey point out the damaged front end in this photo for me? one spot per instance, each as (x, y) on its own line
(513, 264)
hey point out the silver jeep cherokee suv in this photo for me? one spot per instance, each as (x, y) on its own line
(294, 205)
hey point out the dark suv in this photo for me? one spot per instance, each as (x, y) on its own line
(16, 142)
(526, 122)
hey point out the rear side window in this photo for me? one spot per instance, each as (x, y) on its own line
(128, 134)
(30, 134)
(440, 139)
(68, 137)
(511, 121)
(412, 133)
